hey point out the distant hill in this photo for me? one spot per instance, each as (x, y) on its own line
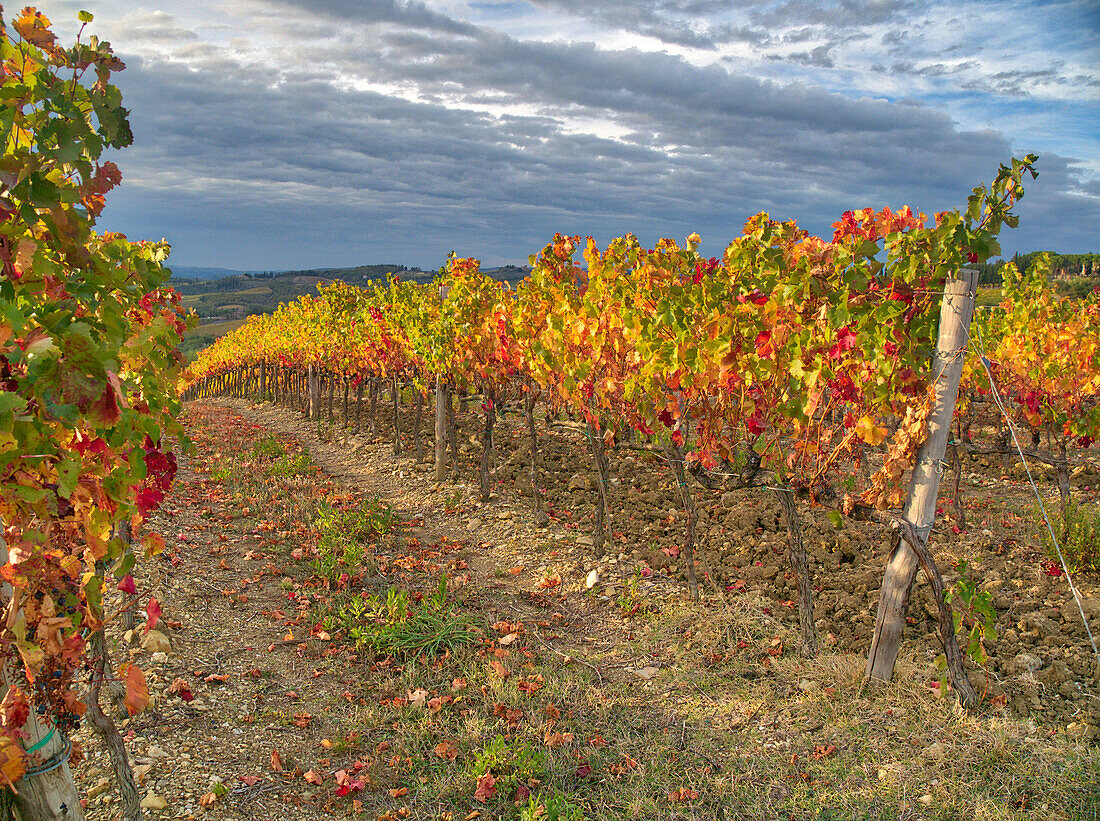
(198, 272)
(224, 299)
(229, 279)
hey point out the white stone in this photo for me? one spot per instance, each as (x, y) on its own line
(592, 579)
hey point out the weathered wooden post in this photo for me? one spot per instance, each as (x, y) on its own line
(919, 513)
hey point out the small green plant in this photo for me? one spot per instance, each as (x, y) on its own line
(512, 762)
(223, 474)
(550, 806)
(370, 519)
(1080, 540)
(396, 625)
(343, 533)
(631, 602)
(452, 502)
(974, 612)
(373, 518)
(288, 466)
(268, 448)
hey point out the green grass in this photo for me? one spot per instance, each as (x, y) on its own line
(396, 625)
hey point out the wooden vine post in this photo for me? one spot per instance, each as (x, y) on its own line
(919, 513)
(46, 792)
(396, 415)
(489, 406)
(440, 430)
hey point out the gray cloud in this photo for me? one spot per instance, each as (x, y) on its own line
(407, 13)
(397, 132)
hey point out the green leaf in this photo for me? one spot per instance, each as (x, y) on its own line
(84, 16)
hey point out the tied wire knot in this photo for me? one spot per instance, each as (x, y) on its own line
(940, 465)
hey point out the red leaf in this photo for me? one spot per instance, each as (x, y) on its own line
(152, 613)
(127, 585)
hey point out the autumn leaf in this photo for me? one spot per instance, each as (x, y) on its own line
(446, 749)
(13, 762)
(137, 691)
(498, 667)
(14, 710)
(34, 27)
(486, 788)
(276, 761)
(399, 792)
(531, 684)
(152, 613)
(869, 432)
(312, 777)
(181, 688)
(683, 794)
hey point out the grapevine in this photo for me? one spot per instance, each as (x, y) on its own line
(88, 337)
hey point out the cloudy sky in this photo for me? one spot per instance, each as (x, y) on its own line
(277, 134)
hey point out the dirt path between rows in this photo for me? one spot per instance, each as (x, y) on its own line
(238, 699)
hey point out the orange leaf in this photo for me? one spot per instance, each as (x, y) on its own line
(498, 668)
(276, 761)
(446, 749)
(398, 793)
(12, 761)
(137, 691)
(486, 787)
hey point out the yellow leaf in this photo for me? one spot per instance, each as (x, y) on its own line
(869, 432)
(153, 543)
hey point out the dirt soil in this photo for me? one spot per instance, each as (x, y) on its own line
(244, 694)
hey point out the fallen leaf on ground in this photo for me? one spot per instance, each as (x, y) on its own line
(486, 787)
(446, 749)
